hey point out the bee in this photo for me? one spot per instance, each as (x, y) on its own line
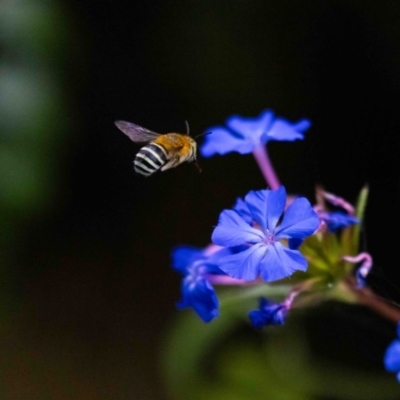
(162, 151)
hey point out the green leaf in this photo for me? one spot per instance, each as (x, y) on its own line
(350, 237)
(323, 253)
(360, 210)
(190, 340)
(225, 361)
(248, 371)
(313, 250)
(239, 300)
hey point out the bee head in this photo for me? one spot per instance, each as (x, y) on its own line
(193, 145)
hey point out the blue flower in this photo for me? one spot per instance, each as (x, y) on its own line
(268, 313)
(392, 356)
(337, 219)
(241, 208)
(183, 256)
(197, 291)
(265, 256)
(243, 135)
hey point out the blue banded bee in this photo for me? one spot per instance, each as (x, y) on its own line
(163, 151)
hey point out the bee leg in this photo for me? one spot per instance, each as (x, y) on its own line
(196, 164)
(171, 164)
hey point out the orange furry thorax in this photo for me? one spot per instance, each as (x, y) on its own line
(175, 143)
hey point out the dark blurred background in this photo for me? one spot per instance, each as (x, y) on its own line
(87, 291)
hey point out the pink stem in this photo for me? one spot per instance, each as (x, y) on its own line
(261, 155)
(381, 306)
(227, 280)
(211, 249)
(289, 300)
(338, 201)
(366, 259)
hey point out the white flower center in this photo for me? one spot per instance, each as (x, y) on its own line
(269, 238)
(195, 274)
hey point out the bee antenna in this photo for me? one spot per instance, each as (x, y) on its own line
(187, 128)
(203, 134)
(196, 164)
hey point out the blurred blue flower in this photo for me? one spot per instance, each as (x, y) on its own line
(265, 255)
(337, 219)
(197, 291)
(361, 277)
(183, 256)
(243, 135)
(199, 294)
(268, 313)
(392, 356)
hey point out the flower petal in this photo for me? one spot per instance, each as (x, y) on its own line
(392, 357)
(211, 263)
(243, 134)
(299, 221)
(243, 210)
(222, 141)
(244, 265)
(295, 243)
(268, 313)
(252, 128)
(184, 256)
(201, 297)
(266, 206)
(232, 230)
(282, 129)
(280, 262)
(337, 219)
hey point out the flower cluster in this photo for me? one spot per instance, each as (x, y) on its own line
(297, 253)
(265, 257)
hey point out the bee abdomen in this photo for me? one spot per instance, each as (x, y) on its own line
(149, 159)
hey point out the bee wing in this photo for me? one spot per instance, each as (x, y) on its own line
(135, 132)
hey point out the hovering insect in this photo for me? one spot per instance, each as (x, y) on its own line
(163, 151)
